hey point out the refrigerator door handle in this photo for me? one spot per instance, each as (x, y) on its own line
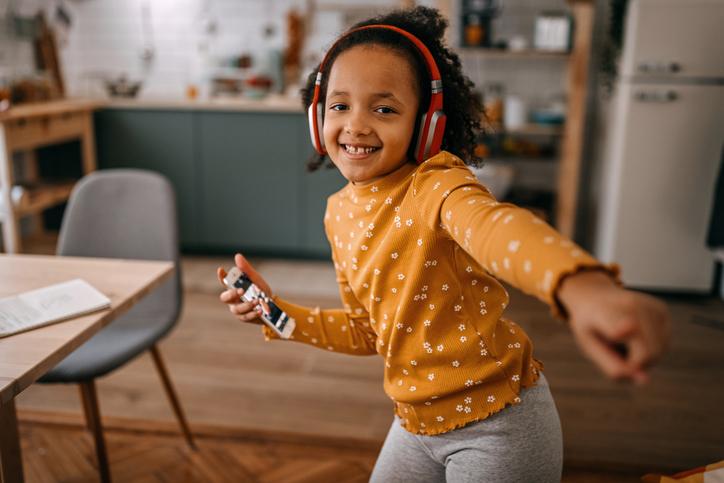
(656, 96)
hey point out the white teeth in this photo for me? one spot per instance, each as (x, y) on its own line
(358, 149)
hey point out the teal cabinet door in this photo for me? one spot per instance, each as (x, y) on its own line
(161, 141)
(317, 187)
(249, 166)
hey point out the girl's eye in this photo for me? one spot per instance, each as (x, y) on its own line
(337, 107)
(385, 110)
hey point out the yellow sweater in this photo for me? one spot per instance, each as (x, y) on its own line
(417, 254)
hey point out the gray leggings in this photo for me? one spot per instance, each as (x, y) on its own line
(519, 444)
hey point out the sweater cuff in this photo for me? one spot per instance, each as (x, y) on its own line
(612, 269)
(268, 333)
(291, 310)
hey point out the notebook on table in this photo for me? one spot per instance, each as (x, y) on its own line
(48, 305)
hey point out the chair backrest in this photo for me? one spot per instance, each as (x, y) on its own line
(127, 213)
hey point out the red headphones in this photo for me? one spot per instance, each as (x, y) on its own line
(432, 123)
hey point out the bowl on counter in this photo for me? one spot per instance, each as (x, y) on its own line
(122, 87)
(257, 87)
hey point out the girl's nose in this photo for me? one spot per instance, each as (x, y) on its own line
(356, 126)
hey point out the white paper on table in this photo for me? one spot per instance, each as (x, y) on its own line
(48, 305)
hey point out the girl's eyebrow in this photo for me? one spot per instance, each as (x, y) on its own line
(376, 95)
(385, 95)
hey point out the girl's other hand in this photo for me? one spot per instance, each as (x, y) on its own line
(244, 311)
(623, 332)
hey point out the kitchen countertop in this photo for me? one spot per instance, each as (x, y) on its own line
(271, 103)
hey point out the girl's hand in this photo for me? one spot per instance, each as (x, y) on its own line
(244, 311)
(622, 331)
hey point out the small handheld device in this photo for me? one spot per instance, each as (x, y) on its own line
(275, 318)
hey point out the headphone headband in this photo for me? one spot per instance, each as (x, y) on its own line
(429, 59)
(432, 125)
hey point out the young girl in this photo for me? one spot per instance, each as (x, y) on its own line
(419, 245)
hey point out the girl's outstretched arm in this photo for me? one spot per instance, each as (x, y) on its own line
(509, 242)
(622, 331)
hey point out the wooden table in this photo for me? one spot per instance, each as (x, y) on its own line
(27, 127)
(25, 357)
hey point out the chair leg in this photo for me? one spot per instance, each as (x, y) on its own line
(172, 396)
(93, 421)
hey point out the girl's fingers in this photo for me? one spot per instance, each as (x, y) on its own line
(603, 355)
(617, 330)
(265, 307)
(244, 311)
(227, 296)
(231, 296)
(251, 315)
(651, 337)
(243, 308)
(220, 274)
(246, 267)
(639, 355)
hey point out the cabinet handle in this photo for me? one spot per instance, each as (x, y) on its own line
(653, 67)
(644, 67)
(656, 96)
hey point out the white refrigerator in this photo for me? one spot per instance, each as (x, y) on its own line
(664, 145)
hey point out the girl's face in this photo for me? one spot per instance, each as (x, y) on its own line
(370, 112)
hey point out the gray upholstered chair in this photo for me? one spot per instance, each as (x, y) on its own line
(130, 214)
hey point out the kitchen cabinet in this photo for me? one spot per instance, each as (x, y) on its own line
(250, 180)
(317, 187)
(240, 176)
(161, 141)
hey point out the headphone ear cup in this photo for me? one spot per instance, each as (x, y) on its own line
(437, 131)
(316, 133)
(320, 127)
(429, 140)
(311, 120)
(421, 138)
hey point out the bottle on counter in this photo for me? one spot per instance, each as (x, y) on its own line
(515, 112)
(493, 105)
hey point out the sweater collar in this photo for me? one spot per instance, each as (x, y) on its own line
(384, 184)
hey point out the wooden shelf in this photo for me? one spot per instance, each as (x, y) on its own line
(530, 129)
(520, 159)
(576, 122)
(44, 197)
(24, 129)
(537, 130)
(486, 53)
(43, 243)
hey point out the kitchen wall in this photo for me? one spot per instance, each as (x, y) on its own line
(16, 54)
(171, 43)
(166, 43)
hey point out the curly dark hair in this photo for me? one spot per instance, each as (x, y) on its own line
(462, 109)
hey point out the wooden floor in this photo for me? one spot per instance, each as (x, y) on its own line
(230, 380)
(63, 451)
(141, 452)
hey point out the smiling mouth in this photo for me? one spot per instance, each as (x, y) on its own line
(349, 149)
